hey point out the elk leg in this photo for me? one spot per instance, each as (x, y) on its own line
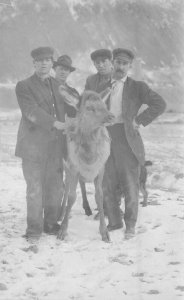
(145, 195)
(85, 203)
(64, 202)
(71, 197)
(99, 201)
(142, 182)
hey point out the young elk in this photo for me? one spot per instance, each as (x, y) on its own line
(88, 145)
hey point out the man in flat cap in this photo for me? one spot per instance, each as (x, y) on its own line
(127, 150)
(102, 59)
(98, 82)
(39, 144)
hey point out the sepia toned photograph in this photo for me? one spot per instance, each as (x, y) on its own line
(92, 150)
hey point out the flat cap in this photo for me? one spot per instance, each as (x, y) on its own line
(121, 52)
(105, 53)
(65, 61)
(42, 52)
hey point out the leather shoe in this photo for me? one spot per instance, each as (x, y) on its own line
(32, 239)
(129, 233)
(114, 227)
(51, 229)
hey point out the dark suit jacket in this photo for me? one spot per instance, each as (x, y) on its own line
(135, 94)
(97, 83)
(36, 134)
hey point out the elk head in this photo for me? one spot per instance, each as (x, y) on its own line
(93, 113)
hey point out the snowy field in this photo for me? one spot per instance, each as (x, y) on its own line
(150, 266)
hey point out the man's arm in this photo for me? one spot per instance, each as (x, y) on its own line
(87, 85)
(156, 105)
(31, 110)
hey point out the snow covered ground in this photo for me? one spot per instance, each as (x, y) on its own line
(147, 267)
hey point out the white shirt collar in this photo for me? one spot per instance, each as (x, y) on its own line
(113, 81)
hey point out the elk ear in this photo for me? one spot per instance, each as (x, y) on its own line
(89, 95)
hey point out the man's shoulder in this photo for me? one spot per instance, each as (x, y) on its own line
(137, 83)
(25, 81)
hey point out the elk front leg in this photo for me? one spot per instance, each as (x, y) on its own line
(99, 201)
(85, 203)
(71, 193)
(145, 196)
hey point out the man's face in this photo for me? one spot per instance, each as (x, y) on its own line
(121, 67)
(43, 66)
(103, 65)
(62, 73)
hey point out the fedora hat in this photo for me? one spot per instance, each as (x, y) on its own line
(65, 61)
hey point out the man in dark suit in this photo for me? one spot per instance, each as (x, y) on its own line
(102, 59)
(71, 98)
(39, 144)
(127, 150)
(63, 68)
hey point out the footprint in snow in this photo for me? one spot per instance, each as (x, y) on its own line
(158, 249)
(156, 226)
(3, 287)
(154, 202)
(141, 229)
(32, 248)
(174, 263)
(140, 274)
(153, 292)
(180, 288)
(121, 260)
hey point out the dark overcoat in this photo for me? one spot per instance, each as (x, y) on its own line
(97, 83)
(36, 135)
(135, 94)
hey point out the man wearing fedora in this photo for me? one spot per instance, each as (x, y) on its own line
(127, 149)
(70, 99)
(101, 80)
(63, 68)
(39, 144)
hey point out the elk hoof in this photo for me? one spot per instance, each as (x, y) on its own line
(106, 236)
(88, 211)
(144, 204)
(62, 233)
(97, 216)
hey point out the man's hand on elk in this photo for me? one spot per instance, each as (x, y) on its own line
(59, 125)
(136, 125)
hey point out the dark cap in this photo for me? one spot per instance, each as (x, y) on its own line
(104, 53)
(42, 52)
(123, 53)
(64, 61)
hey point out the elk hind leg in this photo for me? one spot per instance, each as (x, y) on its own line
(145, 195)
(85, 203)
(99, 201)
(73, 180)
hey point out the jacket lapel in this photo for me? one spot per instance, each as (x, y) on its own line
(42, 90)
(58, 100)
